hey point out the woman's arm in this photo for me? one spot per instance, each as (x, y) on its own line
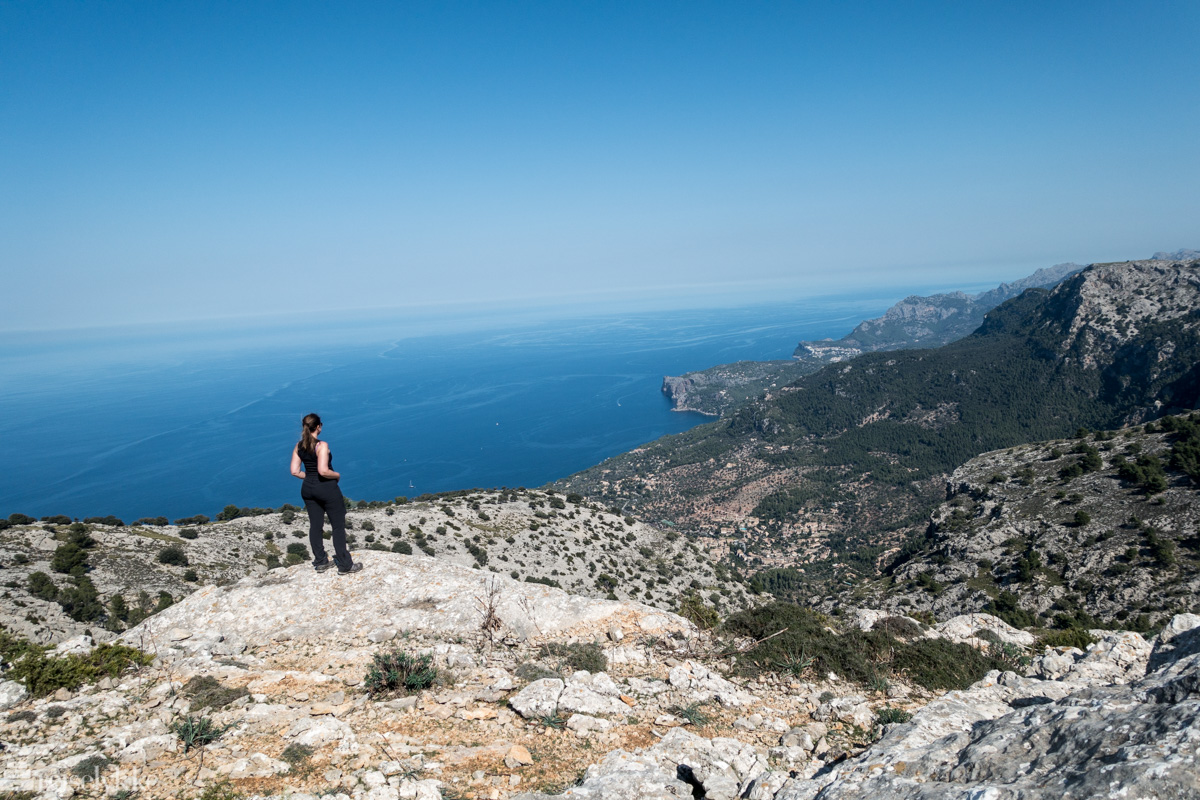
(323, 463)
(297, 465)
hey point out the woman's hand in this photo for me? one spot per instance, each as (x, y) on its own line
(297, 465)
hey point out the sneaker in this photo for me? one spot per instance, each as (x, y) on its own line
(357, 567)
(324, 565)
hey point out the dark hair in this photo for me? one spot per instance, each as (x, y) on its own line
(308, 430)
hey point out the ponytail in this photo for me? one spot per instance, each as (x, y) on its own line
(308, 430)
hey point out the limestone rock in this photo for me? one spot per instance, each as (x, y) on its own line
(1010, 735)
(538, 699)
(964, 627)
(393, 592)
(704, 685)
(11, 693)
(517, 756)
(257, 765)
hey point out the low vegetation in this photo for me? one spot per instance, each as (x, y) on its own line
(44, 674)
(398, 672)
(788, 634)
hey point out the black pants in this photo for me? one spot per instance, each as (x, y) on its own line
(321, 498)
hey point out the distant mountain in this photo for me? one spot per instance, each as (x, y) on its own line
(927, 321)
(831, 470)
(913, 322)
(1178, 255)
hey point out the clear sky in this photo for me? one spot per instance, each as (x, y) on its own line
(169, 160)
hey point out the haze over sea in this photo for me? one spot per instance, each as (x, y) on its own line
(182, 420)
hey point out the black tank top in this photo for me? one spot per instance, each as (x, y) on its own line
(309, 457)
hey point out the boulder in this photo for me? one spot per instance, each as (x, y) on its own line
(11, 693)
(538, 699)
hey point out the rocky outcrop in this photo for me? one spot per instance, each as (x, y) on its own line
(1102, 727)
(1019, 737)
(529, 535)
(393, 593)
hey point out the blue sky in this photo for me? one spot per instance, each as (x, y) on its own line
(166, 161)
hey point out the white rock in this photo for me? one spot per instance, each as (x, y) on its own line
(77, 645)
(538, 699)
(582, 723)
(963, 628)
(149, 748)
(11, 693)
(256, 765)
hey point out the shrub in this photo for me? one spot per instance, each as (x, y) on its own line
(367, 525)
(690, 714)
(69, 559)
(857, 655)
(189, 533)
(81, 602)
(1071, 637)
(22, 716)
(693, 609)
(402, 547)
(287, 516)
(191, 576)
(90, 767)
(588, 657)
(199, 519)
(197, 732)
(207, 691)
(296, 754)
(41, 585)
(397, 671)
(110, 520)
(173, 555)
(21, 519)
(43, 674)
(889, 715)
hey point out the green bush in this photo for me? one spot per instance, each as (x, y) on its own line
(889, 716)
(191, 576)
(80, 601)
(861, 656)
(397, 671)
(197, 732)
(173, 555)
(43, 674)
(588, 657)
(69, 559)
(693, 609)
(189, 533)
(1071, 637)
(40, 585)
(402, 547)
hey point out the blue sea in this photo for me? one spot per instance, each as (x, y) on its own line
(178, 420)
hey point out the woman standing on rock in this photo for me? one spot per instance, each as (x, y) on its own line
(313, 463)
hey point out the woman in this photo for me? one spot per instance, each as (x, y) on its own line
(312, 463)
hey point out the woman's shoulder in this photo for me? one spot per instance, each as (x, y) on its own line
(321, 446)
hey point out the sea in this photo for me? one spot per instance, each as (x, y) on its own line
(184, 419)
